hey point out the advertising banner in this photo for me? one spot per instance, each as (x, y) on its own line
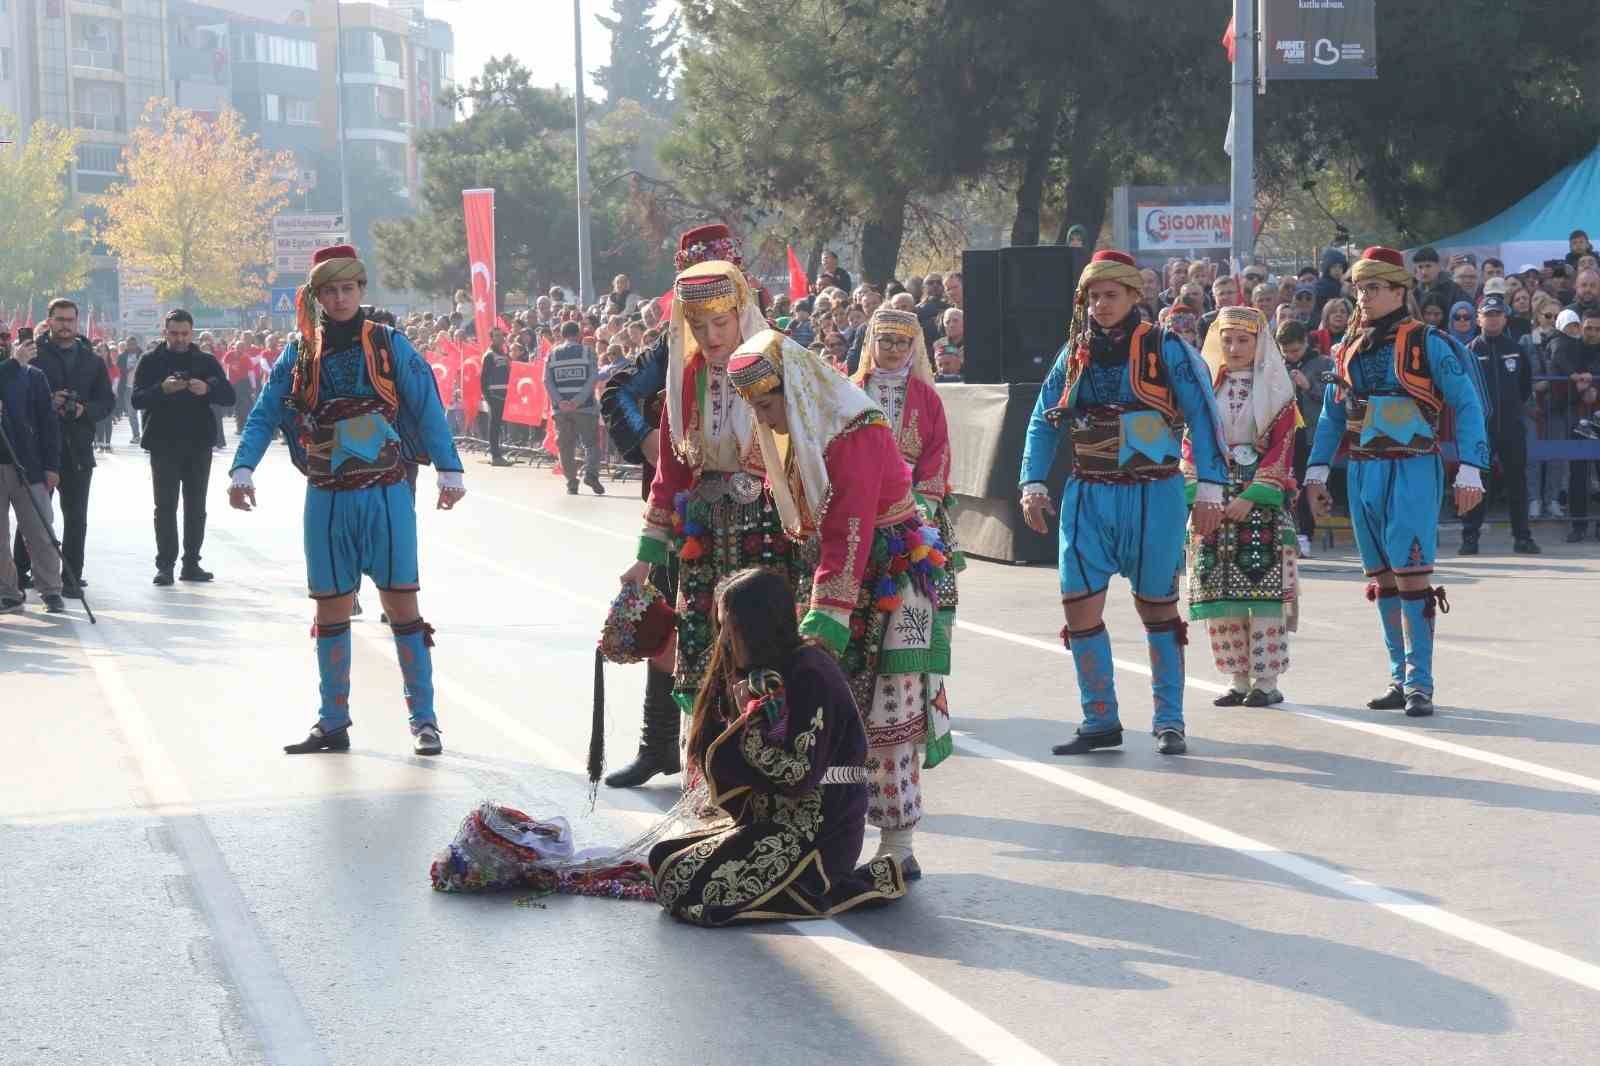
(1320, 39)
(1174, 227)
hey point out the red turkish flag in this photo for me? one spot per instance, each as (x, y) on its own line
(1230, 40)
(444, 373)
(524, 396)
(471, 387)
(478, 207)
(798, 288)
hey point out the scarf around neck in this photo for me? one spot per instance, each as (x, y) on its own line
(1110, 346)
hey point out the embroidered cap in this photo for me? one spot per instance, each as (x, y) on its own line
(709, 293)
(705, 243)
(893, 322)
(1111, 265)
(1245, 318)
(1378, 263)
(758, 373)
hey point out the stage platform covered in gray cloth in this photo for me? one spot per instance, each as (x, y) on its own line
(988, 424)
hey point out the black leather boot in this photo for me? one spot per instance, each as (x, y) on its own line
(658, 748)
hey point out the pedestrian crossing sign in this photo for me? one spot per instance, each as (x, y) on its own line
(283, 300)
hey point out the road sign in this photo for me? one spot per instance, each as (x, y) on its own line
(283, 299)
(306, 245)
(318, 225)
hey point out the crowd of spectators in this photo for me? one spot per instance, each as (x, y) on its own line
(1535, 332)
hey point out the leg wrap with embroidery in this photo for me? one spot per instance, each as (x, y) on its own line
(333, 664)
(412, 641)
(1394, 638)
(1419, 608)
(1097, 688)
(1167, 640)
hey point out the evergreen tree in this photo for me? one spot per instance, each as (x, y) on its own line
(643, 56)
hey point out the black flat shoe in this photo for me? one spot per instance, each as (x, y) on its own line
(596, 488)
(1084, 743)
(317, 740)
(1231, 698)
(426, 741)
(53, 604)
(1171, 742)
(1419, 705)
(192, 572)
(162, 578)
(1392, 700)
(1576, 536)
(1526, 546)
(1468, 547)
(1257, 698)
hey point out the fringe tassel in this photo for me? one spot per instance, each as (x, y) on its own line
(1372, 591)
(1066, 637)
(1437, 603)
(597, 729)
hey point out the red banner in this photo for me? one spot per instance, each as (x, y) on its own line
(478, 207)
(471, 389)
(444, 373)
(525, 401)
(798, 288)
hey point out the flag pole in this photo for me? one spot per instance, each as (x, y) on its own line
(585, 253)
(1243, 182)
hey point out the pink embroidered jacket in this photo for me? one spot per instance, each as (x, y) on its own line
(869, 488)
(923, 436)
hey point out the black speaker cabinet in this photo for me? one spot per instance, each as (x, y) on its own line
(1018, 307)
(980, 283)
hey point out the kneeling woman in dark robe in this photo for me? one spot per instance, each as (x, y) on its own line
(777, 735)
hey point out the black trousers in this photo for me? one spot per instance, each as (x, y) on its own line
(73, 495)
(186, 470)
(1304, 519)
(497, 425)
(1511, 449)
(1578, 493)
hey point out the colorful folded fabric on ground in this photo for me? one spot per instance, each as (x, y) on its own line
(501, 848)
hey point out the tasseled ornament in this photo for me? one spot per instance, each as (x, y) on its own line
(920, 552)
(1372, 592)
(1066, 637)
(597, 728)
(691, 550)
(888, 604)
(1437, 603)
(1183, 633)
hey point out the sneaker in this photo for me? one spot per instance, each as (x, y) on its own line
(163, 577)
(1556, 510)
(1305, 546)
(426, 741)
(572, 488)
(10, 605)
(1535, 509)
(54, 604)
(1526, 546)
(192, 572)
(595, 487)
(1469, 545)
(1577, 535)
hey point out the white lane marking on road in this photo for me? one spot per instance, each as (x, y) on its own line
(956, 1019)
(986, 1039)
(1413, 910)
(276, 1015)
(1445, 645)
(554, 517)
(1416, 738)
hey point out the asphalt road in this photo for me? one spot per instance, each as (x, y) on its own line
(1313, 883)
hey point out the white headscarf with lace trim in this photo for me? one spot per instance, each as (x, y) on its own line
(1272, 388)
(728, 291)
(820, 402)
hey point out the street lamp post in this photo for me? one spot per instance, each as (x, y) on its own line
(1244, 177)
(338, 78)
(585, 253)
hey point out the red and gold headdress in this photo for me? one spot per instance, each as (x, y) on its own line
(1381, 264)
(328, 266)
(705, 243)
(756, 373)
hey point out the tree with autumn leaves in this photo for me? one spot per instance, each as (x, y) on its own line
(193, 212)
(44, 241)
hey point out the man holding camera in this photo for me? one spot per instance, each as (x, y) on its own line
(30, 464)
(176, 386)
(80, 393)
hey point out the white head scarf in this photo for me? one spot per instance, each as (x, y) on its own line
(820, 402)
(730, 292)
(899, 323)
(1272, 389)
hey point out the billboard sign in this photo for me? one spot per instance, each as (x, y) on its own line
(1176, 227)
(1319, 39)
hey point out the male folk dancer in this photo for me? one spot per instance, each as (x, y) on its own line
(1395, 377)
(1124, 388)
(356, 403)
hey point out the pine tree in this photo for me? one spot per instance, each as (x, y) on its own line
(643, 56)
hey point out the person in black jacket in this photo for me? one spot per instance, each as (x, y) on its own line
(80, 392)
(495, 378)
(177, 386)
(33, 469)
(1507, 365)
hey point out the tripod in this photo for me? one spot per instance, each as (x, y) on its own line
(49, 530)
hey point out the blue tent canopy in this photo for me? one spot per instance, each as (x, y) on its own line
(1568, 201)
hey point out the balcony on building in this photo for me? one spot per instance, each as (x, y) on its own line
(373, 54)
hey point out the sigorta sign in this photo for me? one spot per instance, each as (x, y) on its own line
(1163, 226)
